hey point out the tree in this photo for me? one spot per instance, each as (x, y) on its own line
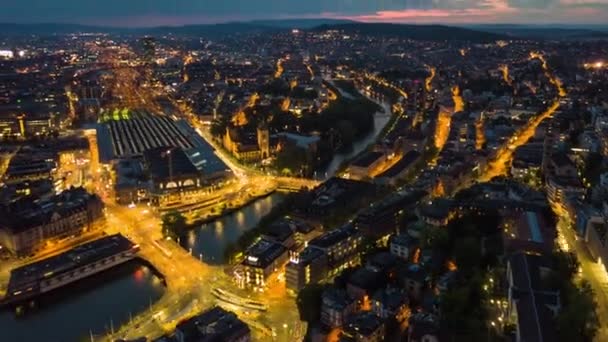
(566, 265)
(467, 252)
(174, 224)
(462, 310)
(292, 158)
(347, 132)
(434, 237)
(218, 127)
(578, 320)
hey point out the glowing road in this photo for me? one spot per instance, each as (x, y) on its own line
(279, 68)
(458, 101)
(383, 82)
(428, 82)
(505, 74)
(501, 162)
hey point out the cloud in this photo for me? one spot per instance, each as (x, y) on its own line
(151, 12)
(532, 3)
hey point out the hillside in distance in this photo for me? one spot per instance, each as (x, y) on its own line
(416, 32)
(561, 32)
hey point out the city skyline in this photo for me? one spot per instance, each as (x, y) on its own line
(188, 12)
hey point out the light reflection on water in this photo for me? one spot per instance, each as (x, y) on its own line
(213, 237)
(88, 305)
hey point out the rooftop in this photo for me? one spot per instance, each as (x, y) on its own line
(31, 212)
(406, 161)
(167, 162)
(362, 323)
(336, 298)
(367, 159)
(334, 237)
(213, 325)
(67, 261)
(263, 253)
(533, 298)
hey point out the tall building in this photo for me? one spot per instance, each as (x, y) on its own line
(263, 136)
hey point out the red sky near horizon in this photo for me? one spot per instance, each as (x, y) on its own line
(181, 12)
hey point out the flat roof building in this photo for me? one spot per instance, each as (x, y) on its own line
(213, 325)
(262, 259)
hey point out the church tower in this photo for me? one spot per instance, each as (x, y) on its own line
(263, 140)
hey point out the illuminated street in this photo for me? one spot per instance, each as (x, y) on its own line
(504, 69)
(442, 130)
(457, 98)
(501, 162)
(428, 82)
(187, 294)
(590, 270)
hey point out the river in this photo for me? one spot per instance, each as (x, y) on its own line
(92, 305)
(209, 240)
(108, 299)
(380, 120)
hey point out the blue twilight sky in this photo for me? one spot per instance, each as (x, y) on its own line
(180, 12)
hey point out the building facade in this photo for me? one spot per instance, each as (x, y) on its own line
(26, 227)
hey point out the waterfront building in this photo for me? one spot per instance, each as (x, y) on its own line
(399, 170)
(174, 179)
(215, 324)
(27, 226)
(77, 263)
(261, 260)
(363, 166)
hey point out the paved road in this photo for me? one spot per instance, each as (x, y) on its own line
(593, 272)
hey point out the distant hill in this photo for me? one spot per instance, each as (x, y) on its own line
(213, 30)
(416, 32)
(547, 32)
(198, 30)
(49, 28)
(473, 33)
(301, 23)
(195, 30)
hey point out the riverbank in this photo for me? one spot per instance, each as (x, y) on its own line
(209, 240)
(230, 210)
(381, 120)
(92, 306)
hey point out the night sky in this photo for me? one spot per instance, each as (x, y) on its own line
(180, 12)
